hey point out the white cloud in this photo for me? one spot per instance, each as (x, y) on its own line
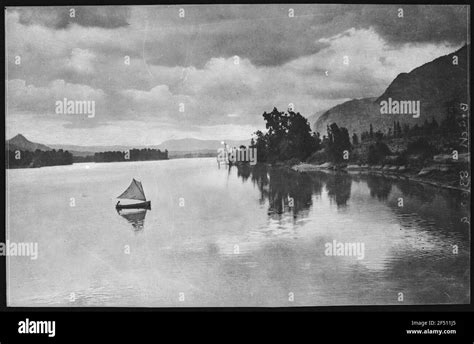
(220, 96)
(81, 61)
(27, 97)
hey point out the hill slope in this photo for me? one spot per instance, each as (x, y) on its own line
(19, 142)
(436, 84)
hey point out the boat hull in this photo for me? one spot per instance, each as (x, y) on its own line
(142, 205)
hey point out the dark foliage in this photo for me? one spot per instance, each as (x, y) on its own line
(377, 152)
(288, 137)
(422, 147)
(131, 155)
(38, 158)
(338, 142)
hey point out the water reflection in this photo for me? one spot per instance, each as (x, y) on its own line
(286, 191)
(418, 244)
(291, 192)
(338, 186)
(435, 208)
(379, 186)
(418, 191)
(135, 217)
(421, 248)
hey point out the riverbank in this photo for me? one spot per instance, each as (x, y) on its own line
(428, 175)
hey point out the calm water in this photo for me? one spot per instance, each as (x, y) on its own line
(234, 241)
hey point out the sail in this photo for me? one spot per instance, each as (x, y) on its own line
(134, 191)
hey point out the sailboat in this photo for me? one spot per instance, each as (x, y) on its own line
(134, 191)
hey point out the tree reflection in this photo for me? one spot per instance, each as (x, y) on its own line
(379, 186)
(243, 171)
(416, 190)
(339, 188)
(285, 190)
(290, 192)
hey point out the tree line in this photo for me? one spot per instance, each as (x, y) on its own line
(131, 155)
(289, 138)
(38, 158)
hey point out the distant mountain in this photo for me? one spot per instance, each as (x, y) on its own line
(91, 149)
(190, 145)
(313, 118)
(179, 147)
(437, 85)
(19, 142)
(356, 115)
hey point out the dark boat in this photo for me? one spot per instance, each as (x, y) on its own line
(142, 205)
(135, 192)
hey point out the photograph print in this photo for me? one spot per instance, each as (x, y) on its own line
(265, 155)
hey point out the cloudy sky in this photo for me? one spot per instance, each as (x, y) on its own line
(225, 64)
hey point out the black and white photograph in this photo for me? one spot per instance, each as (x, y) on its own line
(237, 155)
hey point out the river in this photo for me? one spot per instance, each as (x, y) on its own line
(232, 237)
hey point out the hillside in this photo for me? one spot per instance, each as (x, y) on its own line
(437, 85)
(314, 117)
(19, 142)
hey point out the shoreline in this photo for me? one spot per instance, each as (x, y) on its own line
(377, 170)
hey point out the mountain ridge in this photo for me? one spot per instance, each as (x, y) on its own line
(186, 145)
(20, 142)
(436, 84)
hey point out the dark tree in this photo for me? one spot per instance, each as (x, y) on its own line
(449, 123)
(434, 125)
(288, 137)
(377, 152)
(406, 129)
(379, 135)
(355, 139)
(338, 142)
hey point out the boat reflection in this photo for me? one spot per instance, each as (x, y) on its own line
(135, 217)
